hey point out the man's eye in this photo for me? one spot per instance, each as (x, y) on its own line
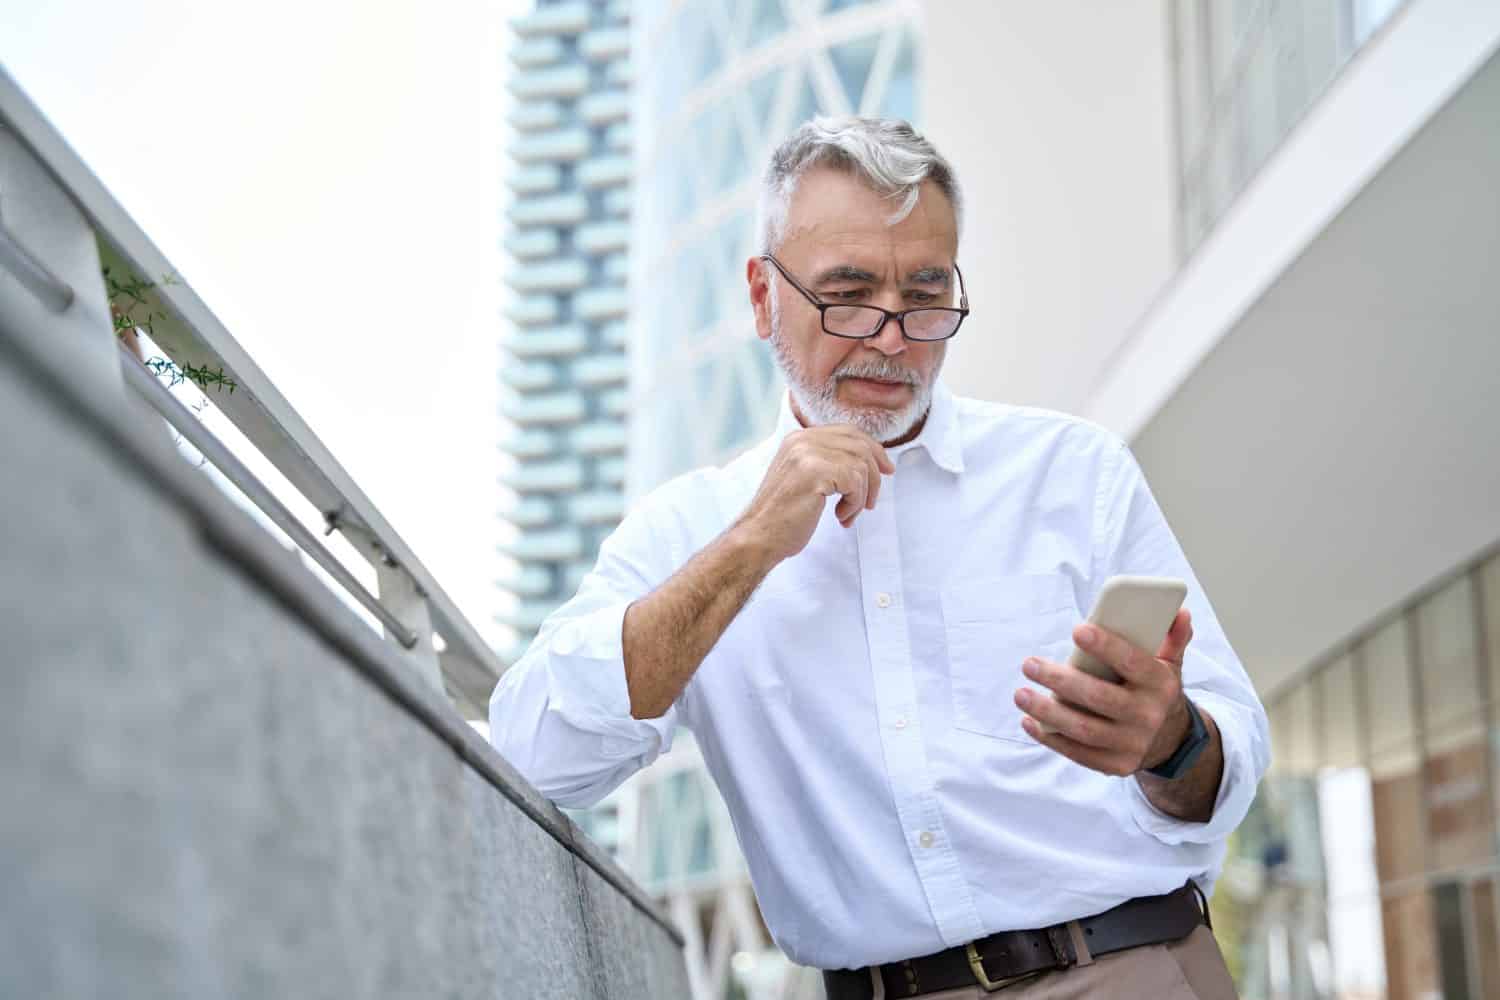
(922, 298)
(846, 295)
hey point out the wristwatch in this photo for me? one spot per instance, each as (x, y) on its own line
(1187, 754)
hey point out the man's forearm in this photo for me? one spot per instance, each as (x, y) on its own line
(1192, 795)
(667, 633)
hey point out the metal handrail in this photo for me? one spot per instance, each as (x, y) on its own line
(52, 291)
(189, 426)
(191, 335)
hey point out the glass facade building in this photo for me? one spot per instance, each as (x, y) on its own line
(564, 377)
(1370, 867)
(736, 77)
(1247, 71)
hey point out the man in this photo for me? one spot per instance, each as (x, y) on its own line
(860, 620)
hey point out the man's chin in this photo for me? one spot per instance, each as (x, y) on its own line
(880, 423)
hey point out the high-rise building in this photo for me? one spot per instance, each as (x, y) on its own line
(565, 373)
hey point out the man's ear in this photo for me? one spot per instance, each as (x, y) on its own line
(758, 278)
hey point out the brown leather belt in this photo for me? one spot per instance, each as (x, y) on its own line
(1011, 957)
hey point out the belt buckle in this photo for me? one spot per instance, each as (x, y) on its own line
(976, 965)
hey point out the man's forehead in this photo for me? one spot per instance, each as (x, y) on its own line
(835, 218)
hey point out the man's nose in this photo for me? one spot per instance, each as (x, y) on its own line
(888, 340)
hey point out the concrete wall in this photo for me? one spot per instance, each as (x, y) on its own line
(1057, 117)
(219, 783)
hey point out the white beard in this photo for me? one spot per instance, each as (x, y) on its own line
(818, 402)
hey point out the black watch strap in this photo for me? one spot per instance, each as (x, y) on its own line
(1186, 755)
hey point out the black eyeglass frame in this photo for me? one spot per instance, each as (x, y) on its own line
(899, 317)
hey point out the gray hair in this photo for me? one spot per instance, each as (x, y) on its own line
(888, 154)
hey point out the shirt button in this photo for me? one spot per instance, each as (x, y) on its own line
(926, 838)
(883, 600)
(900, 722)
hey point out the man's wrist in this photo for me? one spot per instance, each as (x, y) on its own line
(750, 548)
(1176, 731)
(1189, 751)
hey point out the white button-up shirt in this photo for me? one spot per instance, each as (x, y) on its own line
(858, 714)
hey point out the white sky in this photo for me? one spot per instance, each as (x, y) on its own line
(327, 175)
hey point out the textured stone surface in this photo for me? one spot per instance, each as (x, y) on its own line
(204, 798)
(635, 957)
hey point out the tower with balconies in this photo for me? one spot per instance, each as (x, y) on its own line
(564, 368)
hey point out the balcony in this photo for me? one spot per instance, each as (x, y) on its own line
(605, 108)
(548, 342)
(603, 44)
(528, 581)
(557, 146)
(612, 472)
(539, 178)
(568, 81)
(531, 512)
(528, 377)
(542, 546)
(600, 438)
(533, 243)
(616, 402)
(537, 51)
(617, 268)
(532, 442)
(531, 310)
(616, 334)
(598, 304)
(621, 72)
(599, 507)
(601, 370)
(601, 237)
(560, 476)
(558, 19)
(619, 137)
(549, 409)
(617, 203)
(550, 210)
(604, 171)
(534, 115)
(556, 275)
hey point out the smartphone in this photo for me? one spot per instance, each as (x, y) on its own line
(1139, 609)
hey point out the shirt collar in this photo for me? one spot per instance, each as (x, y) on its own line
(940, 435)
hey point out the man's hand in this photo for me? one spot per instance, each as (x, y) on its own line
(1114, 728)
(667, 633)
(810, 466)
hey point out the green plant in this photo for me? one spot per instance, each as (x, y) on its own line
(132, 312)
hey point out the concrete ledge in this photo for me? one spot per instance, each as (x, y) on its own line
(226, 784)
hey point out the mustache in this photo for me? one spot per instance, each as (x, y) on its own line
(886, 371)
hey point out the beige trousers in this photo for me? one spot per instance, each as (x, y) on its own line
(1190, 969)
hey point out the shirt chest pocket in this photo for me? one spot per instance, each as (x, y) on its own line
(992, 625)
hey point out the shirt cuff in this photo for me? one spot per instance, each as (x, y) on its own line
(1236, 786)
(586, 686)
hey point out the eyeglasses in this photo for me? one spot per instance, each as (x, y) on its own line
(926, 323)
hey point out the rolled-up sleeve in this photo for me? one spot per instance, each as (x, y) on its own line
(561, 714)
(1134, 538)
